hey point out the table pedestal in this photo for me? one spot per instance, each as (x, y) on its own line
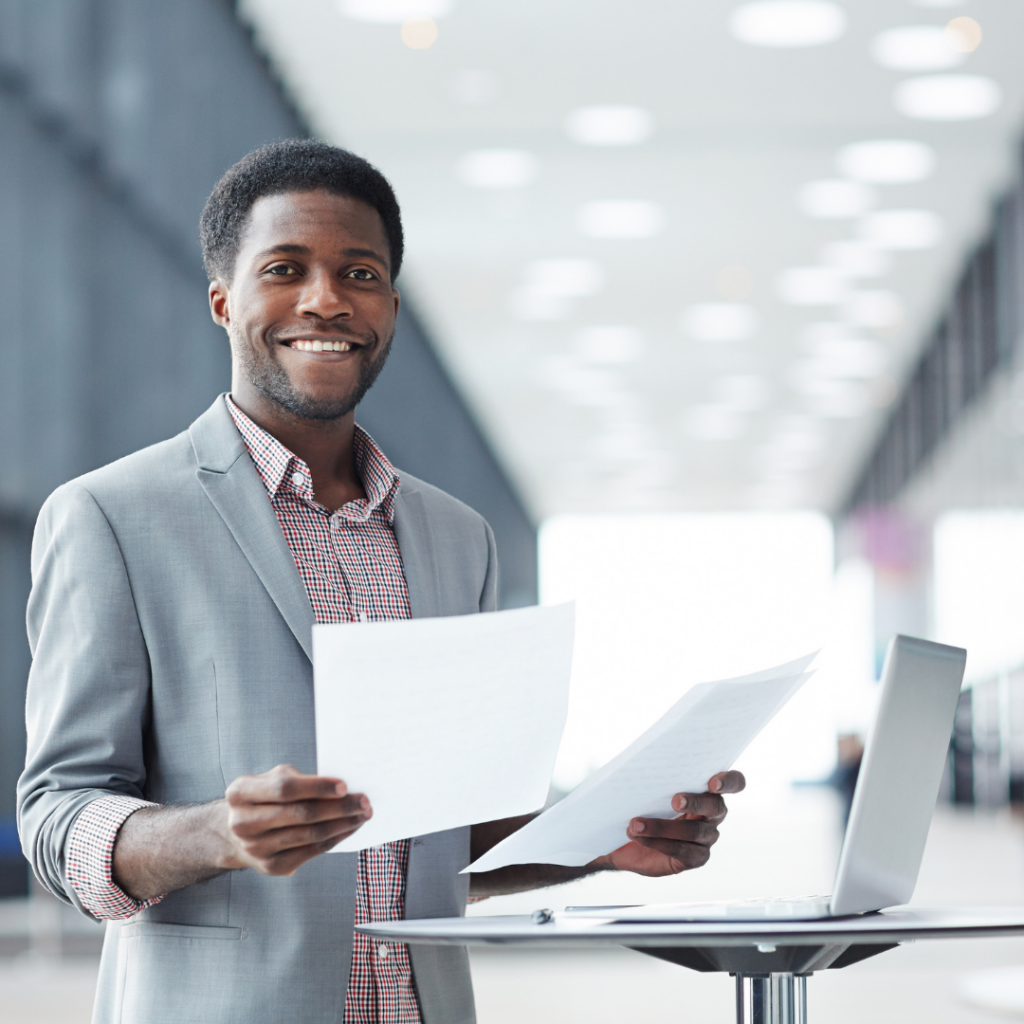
(771, 999)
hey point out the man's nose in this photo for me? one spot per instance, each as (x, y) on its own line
(324, 297)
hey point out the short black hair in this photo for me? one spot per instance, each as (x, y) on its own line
(294, 165)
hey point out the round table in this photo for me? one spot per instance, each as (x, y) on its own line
(771, 960)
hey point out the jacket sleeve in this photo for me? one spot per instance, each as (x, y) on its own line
(489, 592)
(88, 688)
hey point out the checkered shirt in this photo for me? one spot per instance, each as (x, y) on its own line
(352, 569)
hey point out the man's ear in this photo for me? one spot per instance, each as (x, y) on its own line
(397, 298)
(218, 294)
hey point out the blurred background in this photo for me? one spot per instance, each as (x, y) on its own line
(714, 310)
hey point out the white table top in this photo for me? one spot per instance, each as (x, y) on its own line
(896, 925)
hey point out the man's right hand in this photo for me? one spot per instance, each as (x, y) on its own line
(276, 821)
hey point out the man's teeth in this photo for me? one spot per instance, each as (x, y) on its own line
(304, 345)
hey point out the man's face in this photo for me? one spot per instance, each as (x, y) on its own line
(310, 309)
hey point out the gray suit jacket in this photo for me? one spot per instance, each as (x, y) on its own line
(171, 639)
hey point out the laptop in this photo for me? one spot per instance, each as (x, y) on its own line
(896, 790)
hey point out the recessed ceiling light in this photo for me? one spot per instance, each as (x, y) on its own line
(835, 198)
(567, 278)
(856, 259)
(887, 161)
(527, 304)
(394, 12)
(472, 85)
(965, 34)
(711, 422)
(902, 229)
(497, 168)
(787, 23)
(609, 344)
(948, 97)
(620, 218)
(719, 321)
(916, 48)
(812, 286)
(879, 310)
(614, 125)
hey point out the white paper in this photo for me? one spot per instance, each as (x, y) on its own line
(700, 735)
(442, 722)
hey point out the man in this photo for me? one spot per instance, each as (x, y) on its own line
(170, 620)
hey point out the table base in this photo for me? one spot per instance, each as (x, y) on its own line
(771, 999)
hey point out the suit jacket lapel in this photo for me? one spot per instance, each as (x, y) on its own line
(419, 554)
(237, 492)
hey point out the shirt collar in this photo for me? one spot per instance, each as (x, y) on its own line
(279, 467)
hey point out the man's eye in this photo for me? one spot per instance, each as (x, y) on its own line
(361, 274)
(281, 270)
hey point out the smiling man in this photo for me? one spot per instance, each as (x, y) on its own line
(170, 783)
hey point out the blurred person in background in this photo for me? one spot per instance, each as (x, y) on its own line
(174, 594)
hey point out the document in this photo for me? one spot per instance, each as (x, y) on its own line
(700, 735)
(442, 722)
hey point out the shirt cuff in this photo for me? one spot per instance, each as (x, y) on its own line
(90, 853)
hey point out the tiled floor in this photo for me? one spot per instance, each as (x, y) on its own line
(786, 847)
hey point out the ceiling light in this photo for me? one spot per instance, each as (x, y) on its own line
(419, 33)
(527, 304)
(887, 161)
(948, 97)
(617, 125)
(879, 310)
(394, 12)
(916, 48)
(611, 344)
(835, 198)
(713, 422)
(570, 278)
(856, 259)
(497, 168)
(787, 23)
(742, 391)
(965, 34)
(812, 286)
(620, 218)
(851, 357)
(472, 85)
(719, 321)
(902, 229)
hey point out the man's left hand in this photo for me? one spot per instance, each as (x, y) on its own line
(666, 846)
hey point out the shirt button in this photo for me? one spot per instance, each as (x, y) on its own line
(383, 952)
(297, 479)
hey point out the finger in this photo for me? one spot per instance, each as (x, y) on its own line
(287, 863)
(250, 820)
(700, 805)
(283, 784)
(727, 782)
(269, 844)
(675, 829)
(686, 855)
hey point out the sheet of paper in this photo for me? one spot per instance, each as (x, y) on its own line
(700, 735)
(442, 722)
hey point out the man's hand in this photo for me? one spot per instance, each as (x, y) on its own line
(273, 822)
(666, 846)
(280, 819)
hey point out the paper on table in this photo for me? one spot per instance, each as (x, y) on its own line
(442, 722)
(700, 735)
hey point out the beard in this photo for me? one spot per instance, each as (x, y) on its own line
(269, 378)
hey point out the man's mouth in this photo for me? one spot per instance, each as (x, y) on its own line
(320, 345)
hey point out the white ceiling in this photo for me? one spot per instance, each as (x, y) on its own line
(672, 422)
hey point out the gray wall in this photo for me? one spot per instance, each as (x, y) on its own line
(116, 119)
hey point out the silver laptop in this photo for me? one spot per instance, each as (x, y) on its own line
(892, 804)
